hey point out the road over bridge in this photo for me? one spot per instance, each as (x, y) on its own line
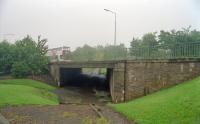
(130, 79)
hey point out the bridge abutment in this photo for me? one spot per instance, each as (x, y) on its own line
(55, 73)
(118, 83)
(145, 77)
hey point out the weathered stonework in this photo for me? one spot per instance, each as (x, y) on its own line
(118, 83)
(146, 77)
(132, 79)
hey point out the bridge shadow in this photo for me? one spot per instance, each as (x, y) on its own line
(92, 86)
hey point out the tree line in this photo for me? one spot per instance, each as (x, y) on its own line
(98, 53)
(172, 43)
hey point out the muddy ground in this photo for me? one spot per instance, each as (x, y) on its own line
(74, 109)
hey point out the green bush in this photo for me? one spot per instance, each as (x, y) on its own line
(20, 69)
(24, 57)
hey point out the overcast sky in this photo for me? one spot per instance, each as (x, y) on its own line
(77, 22)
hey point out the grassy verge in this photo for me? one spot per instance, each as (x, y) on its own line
(26, 92)
(176, 105)
(28, 82)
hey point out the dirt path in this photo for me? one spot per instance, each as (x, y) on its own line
(61, 114)
(74, 109)
(86, 96)
(80, 95)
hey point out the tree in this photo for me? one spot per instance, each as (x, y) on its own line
(186, 35)
(20, 69)
(177, 42)
(109, 52)
(167, 43)
(84, 53)
(135, 47)
(149, 40)
(41, 45)
(145, 47)
(6, 56)
(31, 55)
(115, 52)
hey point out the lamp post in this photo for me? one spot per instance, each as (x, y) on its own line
(115, 24)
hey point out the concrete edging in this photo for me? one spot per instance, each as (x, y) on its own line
(3, 120)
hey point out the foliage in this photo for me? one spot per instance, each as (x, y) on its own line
(153, 45)
(41, 46)
(177, 105)
(84, 53)
(135, 44)
(115, 52)
(25, 57)
(32, 54)
(20, 69)
(149, 39)
(6, 56)
(26, 92)
(108, 52)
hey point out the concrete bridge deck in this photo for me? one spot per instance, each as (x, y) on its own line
(87, 64)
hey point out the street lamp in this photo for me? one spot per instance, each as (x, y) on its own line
(115, 24)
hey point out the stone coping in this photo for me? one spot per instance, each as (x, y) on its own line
(128, 60)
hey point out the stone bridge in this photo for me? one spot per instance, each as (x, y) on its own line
(130, 79)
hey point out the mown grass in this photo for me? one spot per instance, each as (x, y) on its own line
(28, 82)
(26, 92)
(177, 105)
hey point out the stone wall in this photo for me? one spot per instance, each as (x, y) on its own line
(117, 83)
(43, 78)
(144, 77)
(132, 79)
(55, 73)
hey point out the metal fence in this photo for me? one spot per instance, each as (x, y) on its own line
(160, 51)
(171, 51)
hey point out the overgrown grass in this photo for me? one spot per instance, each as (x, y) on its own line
(101, 120)
(26, 92)
(177, 105)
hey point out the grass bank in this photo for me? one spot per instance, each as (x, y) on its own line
(177, 105)
(26, 92)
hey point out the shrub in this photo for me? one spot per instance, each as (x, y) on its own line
(20, 69)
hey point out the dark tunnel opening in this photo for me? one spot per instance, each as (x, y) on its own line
(76, 77)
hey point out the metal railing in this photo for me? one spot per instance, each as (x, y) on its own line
(171, 51)
(160, 51)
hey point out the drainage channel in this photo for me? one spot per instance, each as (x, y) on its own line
(93, 106)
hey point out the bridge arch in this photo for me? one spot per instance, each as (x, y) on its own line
(115, 75)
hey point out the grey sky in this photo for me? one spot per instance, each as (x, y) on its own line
(77, 22)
